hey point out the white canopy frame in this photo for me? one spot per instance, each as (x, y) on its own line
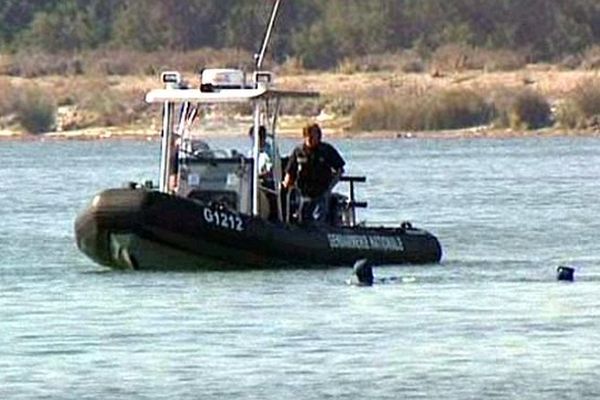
(263, 114)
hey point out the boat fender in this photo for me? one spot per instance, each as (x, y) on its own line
(565, 273)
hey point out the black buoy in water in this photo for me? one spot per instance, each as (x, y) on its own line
(565, 273)
(363, 272)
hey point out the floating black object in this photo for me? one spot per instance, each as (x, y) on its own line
(564, 273)
(363, 272)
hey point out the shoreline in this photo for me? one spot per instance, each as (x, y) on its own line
(140, 134)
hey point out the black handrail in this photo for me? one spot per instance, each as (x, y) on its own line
(350, 178)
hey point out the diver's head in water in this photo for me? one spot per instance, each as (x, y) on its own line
(565, 273)
(363, 271)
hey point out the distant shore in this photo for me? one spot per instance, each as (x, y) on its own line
(335, 88)
(99, 134)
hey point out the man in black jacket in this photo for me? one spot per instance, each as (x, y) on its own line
(314, 167)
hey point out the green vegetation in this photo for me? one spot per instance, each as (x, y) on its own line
(116, 62)
(35, 110)
(521, 109)
(455, 57)
(444, 109)
(581, 109)
(94, 43)
(318, 33)
(6, 100)
(454, 109)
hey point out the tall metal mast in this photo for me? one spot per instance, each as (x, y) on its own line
(261, 55)
(257, 109)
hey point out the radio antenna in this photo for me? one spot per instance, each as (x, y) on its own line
(261, 55)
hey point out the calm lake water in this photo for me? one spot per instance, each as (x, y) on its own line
(490, 322)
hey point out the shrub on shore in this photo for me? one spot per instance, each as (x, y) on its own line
(29, 64)
(101, 104)
(521, 109)
(457, 108)
(591, 58)
(121, 62)
(448, 58)
(581, 108)
(444, 109)
(406, 61)
(36, 110)
(290, 66)
(457, 57)
(454, 109)
(7, 97)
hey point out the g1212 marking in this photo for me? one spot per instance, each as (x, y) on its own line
(223, 219)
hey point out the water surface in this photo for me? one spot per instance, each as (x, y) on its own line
(491, 321)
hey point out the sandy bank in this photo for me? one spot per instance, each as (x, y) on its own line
(548, 80)
(142, 134)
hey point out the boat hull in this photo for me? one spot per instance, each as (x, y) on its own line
(143, 229)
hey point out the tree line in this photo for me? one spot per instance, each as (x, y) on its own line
(316, 32)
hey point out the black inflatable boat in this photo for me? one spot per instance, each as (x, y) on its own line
(147, 229)
(211, 209)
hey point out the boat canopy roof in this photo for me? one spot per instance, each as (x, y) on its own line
(222, 96)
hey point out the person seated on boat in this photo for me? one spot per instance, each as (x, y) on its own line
(174, 166)
(265, 153)
(267, 198)
(315, 167)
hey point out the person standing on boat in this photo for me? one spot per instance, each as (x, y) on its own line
(265, 152)
(314, 167)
